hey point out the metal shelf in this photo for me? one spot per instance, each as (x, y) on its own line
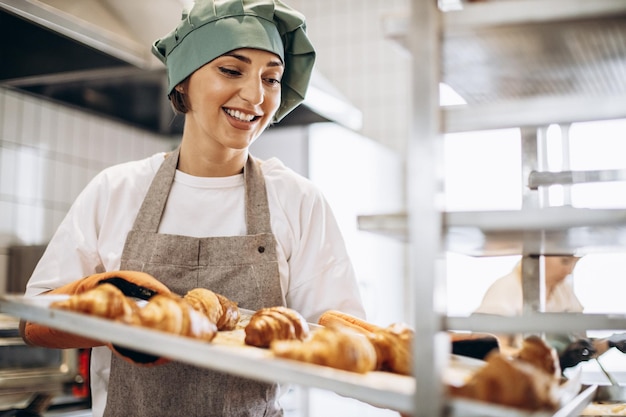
(548, 231)
(531, 62)
(537, 322)
(378, 388)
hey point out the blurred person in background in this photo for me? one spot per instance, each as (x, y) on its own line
(504, 297)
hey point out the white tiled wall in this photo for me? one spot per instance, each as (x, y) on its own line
(48, 153)
(370, 70)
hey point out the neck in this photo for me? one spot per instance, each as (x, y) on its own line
(208, 163)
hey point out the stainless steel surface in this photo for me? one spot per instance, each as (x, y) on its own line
(606, 373)
(611, 393)
(468, 408)
(550, 231)
(531, 62)
(538, 322)
(424, 220)
(546, 178)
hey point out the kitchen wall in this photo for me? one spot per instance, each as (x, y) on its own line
(48, 153)
(371, 71)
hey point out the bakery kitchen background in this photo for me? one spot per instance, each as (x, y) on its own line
(94, 97)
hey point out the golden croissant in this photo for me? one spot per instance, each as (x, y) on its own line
(275, 323)
(333, 347)
(218, 308)
(105, 300)
(173, 314)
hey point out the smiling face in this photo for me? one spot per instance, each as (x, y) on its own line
(232, 99)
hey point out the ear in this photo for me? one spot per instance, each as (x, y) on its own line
(180, 88)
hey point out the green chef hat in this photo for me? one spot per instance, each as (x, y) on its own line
(214, 27)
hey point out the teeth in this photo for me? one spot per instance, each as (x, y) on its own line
(240, 115)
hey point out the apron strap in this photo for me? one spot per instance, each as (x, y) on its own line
(257, 207)
(151, 211)
(153, 206)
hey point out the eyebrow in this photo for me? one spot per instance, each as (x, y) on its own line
(247, 60)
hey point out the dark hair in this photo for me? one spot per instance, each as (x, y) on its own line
(180, 100)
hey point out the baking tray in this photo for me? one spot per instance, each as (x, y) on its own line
(228, 353)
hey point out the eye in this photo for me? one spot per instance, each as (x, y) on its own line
(272, 81)
(230, 72)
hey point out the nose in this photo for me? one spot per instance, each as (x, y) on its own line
(252, 91)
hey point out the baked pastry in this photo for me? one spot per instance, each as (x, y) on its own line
(230, 314)
(537, 352)
(105, 301)
(393, 348)
(335, 317)
(219, 309)
(529, 380)
(275, 323)
(173, 314)
(392, 344)
(330, 346)
(510, 382)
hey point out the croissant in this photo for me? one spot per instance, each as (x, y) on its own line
(511, 382)
(537, 352)
(173, 314)
(104, 300)
(392, 344)
(393, 348)
(330, 346)
(275, 323)
(218, 308)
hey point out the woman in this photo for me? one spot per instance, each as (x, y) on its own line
(504, 297)
(209, 214)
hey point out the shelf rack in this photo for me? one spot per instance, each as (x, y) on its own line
(517, 63)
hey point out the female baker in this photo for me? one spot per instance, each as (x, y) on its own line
(208, 214)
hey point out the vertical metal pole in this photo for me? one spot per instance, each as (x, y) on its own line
(426, 261)
(533, 159)
(566, 162)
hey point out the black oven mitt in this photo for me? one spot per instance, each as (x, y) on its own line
(618, 341)
(578, 351)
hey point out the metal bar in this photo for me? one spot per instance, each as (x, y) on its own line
(538, 322)
(529, 11)
(536, 111)
(67, 25)
(542, 179)
(426, 277)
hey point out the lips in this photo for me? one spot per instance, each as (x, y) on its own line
(241, 116)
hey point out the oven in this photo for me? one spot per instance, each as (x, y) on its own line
(32, 378)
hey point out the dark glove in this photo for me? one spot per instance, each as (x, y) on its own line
(579, 351)
(618, 341)
(131, 283)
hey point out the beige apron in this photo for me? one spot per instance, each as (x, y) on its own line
(243, 268)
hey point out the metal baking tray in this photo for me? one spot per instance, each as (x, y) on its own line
(228, 353)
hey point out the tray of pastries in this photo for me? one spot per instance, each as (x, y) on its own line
(341, 353)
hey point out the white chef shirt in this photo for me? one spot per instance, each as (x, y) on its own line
(505, 297)
(315, 271)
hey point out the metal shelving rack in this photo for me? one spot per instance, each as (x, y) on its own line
(518, 63)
